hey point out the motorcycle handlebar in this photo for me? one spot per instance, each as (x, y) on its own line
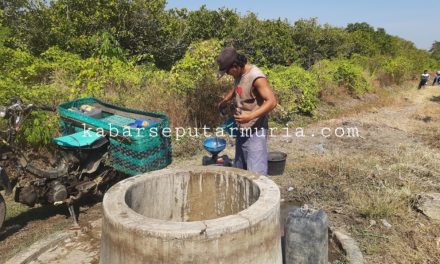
(19, 107)
(24, 108)
(51, 108)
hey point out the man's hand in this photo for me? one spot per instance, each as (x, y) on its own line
(244, 118)
(221, 105)
(226, 98)
(222, 108)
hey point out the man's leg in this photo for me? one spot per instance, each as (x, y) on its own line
(255, 150)
(239, 160)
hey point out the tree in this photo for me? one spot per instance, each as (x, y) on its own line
(266, 43)
(4, 30)
(206, 24)
(435, 51)
(315, 42)
(365, 27)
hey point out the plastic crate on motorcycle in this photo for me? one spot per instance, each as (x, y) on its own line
(137, 144)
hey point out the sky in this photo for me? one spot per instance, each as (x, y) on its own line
(416, 21)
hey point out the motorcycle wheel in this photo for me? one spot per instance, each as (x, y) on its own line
(2, 211)
(60, 170)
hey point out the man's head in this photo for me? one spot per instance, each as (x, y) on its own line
(230, 62)
(425, 71)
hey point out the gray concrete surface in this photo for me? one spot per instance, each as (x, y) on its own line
(81, 248)
(429, 205)
(349, 245)
(192, 215)
(40, 247)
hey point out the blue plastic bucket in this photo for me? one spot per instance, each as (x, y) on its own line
(230, 127)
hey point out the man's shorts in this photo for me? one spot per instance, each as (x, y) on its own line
(251, 151)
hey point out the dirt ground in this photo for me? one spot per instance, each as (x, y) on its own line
(25, 226)
(366, 175)
(367, 182)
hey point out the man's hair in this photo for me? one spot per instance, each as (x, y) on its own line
(240, 60)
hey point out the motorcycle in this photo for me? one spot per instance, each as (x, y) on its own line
(63, 176)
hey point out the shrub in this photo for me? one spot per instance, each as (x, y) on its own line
(193, 79)
(40, 128)
(198, 64)
(342, 72)
(352, 77)
(397, 69)
(297, 89)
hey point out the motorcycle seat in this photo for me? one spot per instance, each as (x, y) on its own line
(80, 140)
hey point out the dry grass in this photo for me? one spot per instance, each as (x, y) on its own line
(360, 192)
(340, 104)
(359, 182)
(190, 110)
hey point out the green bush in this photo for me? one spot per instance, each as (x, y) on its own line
(197, 64)
(373, 64)
(352, 77)
(434, 64)
(342, 72)
(39, 129)
(324, 71)
(297, 89)
(58, 76)
(114, 51)
(193, 79)
(397, 69)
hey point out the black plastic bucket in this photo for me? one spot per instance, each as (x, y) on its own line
(276, 163)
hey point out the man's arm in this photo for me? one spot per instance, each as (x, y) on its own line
(227, 98)
(270, 102)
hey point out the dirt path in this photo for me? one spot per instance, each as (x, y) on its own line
(30, 225)
(366, 180)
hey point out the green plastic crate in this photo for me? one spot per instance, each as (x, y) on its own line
(140, 152)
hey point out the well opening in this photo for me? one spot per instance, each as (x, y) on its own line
(194, 215)
(192, 195)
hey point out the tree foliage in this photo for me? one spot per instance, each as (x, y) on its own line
(435, 51)
(128, 51)
(267, 42)
(149, 33)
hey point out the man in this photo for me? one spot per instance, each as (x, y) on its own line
(424, 79)
(254, 99)
(436, 78)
